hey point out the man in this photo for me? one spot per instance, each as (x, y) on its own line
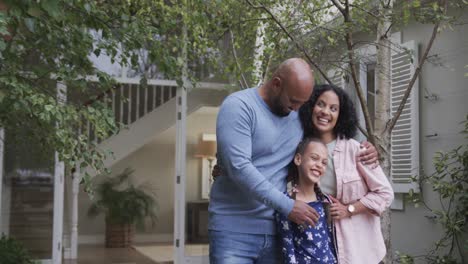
(257, 132)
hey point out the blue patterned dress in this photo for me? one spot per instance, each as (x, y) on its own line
(306, 245)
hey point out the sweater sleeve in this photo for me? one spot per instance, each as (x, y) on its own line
(234, 129)
(380, 194)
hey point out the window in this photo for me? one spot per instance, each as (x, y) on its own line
(370, 74)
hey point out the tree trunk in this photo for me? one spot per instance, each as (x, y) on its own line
(259, 53)
(382, 113)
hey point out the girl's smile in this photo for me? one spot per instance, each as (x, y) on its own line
(312, 163)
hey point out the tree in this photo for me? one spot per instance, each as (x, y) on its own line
(46, 45)
(323, 33)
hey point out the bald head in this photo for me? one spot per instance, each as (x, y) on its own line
(290, 86)
(294, 67)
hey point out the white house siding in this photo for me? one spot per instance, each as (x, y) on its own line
(443, 76)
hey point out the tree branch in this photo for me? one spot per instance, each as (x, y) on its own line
(391, 123)
(357, 83)
(363, 131)
(366, 11)
(246, 84)
(291, 37)
(339, 6)
(388, 29)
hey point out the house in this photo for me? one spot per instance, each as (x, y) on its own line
(431, 121)
(149, 146)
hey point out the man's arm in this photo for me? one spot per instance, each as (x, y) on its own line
(368, 155)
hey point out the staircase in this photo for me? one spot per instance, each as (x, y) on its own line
(148, 111)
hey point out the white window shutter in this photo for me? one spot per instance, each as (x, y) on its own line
(405, 134)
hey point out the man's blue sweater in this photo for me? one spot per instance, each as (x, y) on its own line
(255, 147)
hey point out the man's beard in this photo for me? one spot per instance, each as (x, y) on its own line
(278, 109)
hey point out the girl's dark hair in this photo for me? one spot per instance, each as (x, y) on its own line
(293, 173)
(346, 124)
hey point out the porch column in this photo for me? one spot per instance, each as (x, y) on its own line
(2, 144)
(179, 183)
(74, 213)
(59, 173)
(180, 159)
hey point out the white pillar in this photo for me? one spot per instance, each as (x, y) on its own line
(59, 173)
(74, 213)
(180, 161)
(5, 190)
(2, 143)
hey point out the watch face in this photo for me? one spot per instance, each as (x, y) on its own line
(351, 208)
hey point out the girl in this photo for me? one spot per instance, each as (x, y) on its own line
(362, 192)
(307, 244)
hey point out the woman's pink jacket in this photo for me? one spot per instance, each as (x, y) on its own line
(359, 238)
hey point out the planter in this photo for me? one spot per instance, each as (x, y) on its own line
(124, 205)
(119, 235)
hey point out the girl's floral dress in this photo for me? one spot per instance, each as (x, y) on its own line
(307, 244)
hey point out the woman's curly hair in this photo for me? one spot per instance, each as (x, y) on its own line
(346, 125)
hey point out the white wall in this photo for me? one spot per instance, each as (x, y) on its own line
(155, 163)
(443, 76)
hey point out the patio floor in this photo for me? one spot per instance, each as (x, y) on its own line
(98, 254)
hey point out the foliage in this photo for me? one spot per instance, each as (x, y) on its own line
(450, 182)
(314, 29)
(13, 252)
(50, 42)
(122, 202)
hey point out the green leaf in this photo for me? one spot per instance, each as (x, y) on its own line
(51, 7)
(48, 108)
(30, 24)
(87, 7)
(35, 11)
(2, 45)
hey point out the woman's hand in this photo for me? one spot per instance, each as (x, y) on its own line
(217, 171)
(338, 210)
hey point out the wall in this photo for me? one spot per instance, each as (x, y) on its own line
(443, 76)
(155, 163)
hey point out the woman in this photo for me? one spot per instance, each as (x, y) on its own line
(362, 192)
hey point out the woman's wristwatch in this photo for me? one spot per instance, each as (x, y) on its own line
(351, 209)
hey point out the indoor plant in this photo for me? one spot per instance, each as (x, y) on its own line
(124, 205)
(13, 252)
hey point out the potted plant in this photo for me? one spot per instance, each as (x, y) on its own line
(124, 206)
(13, 252)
